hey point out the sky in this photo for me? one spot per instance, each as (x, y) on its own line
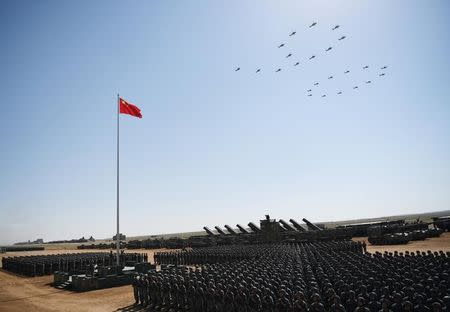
(217, 146)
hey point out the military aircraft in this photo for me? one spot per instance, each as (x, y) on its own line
(329, 48)
(289, 55)
(335, 27)
(368, 81)
(258, 70)
(296, 63)
(384, 67)
(382, 74)
(324, 95)
(281, 45)
(355, 87)
(308, 90)
(237, 69)
(313, 24)
(278, 70)
(365, 67)
(316, 83)
(342, 38)
(292, 33)
(331, 77)
(312, 57)
(340, 92)
(346, 72)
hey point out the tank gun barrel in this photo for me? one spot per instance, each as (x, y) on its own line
(297, 226)
(207, 230)
(230, 229)
(286, 225)
(254, 227)
(311, 226)
(242, 229)
(219, 230)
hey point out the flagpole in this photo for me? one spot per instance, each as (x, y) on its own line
(118, 235)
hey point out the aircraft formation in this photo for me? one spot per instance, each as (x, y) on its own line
(289, 55)
(381, 73)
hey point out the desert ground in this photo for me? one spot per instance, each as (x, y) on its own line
(36, 294)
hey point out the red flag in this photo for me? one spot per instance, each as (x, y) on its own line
(130, 109)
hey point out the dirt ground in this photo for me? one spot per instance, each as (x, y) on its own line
(36, 294)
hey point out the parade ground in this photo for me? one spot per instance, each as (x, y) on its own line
(37, 294)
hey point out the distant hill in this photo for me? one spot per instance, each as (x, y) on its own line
(426, 217)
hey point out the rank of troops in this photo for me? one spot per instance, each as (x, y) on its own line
(75, 263)
(321, 276)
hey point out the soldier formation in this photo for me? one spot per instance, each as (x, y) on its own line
(320, 276)
(75, 263)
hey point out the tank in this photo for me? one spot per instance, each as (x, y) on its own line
(210, 233)
(311, 226)
(418, 235)
(442, 223)
(241, 228)
(174, 243)
(230, 229)
(201, 241)
(390, 239)
(297, 226)
(435, 232)
(219, 230)
(287, 226)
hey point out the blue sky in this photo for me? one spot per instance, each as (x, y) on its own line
(216, 146)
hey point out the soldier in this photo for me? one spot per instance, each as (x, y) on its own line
(408, 306)
(268, 302)
(436, 307)
(446, 301)
(200, 303)
(361, 306)
(183, 299)
(420, 306)
(351, 303)
(337, 306)
(141, 290)
(136, 289)
(385, 305)
(374, 304)
(145, 287)
(229, 303)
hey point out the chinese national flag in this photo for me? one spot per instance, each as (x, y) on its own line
(130, 109)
